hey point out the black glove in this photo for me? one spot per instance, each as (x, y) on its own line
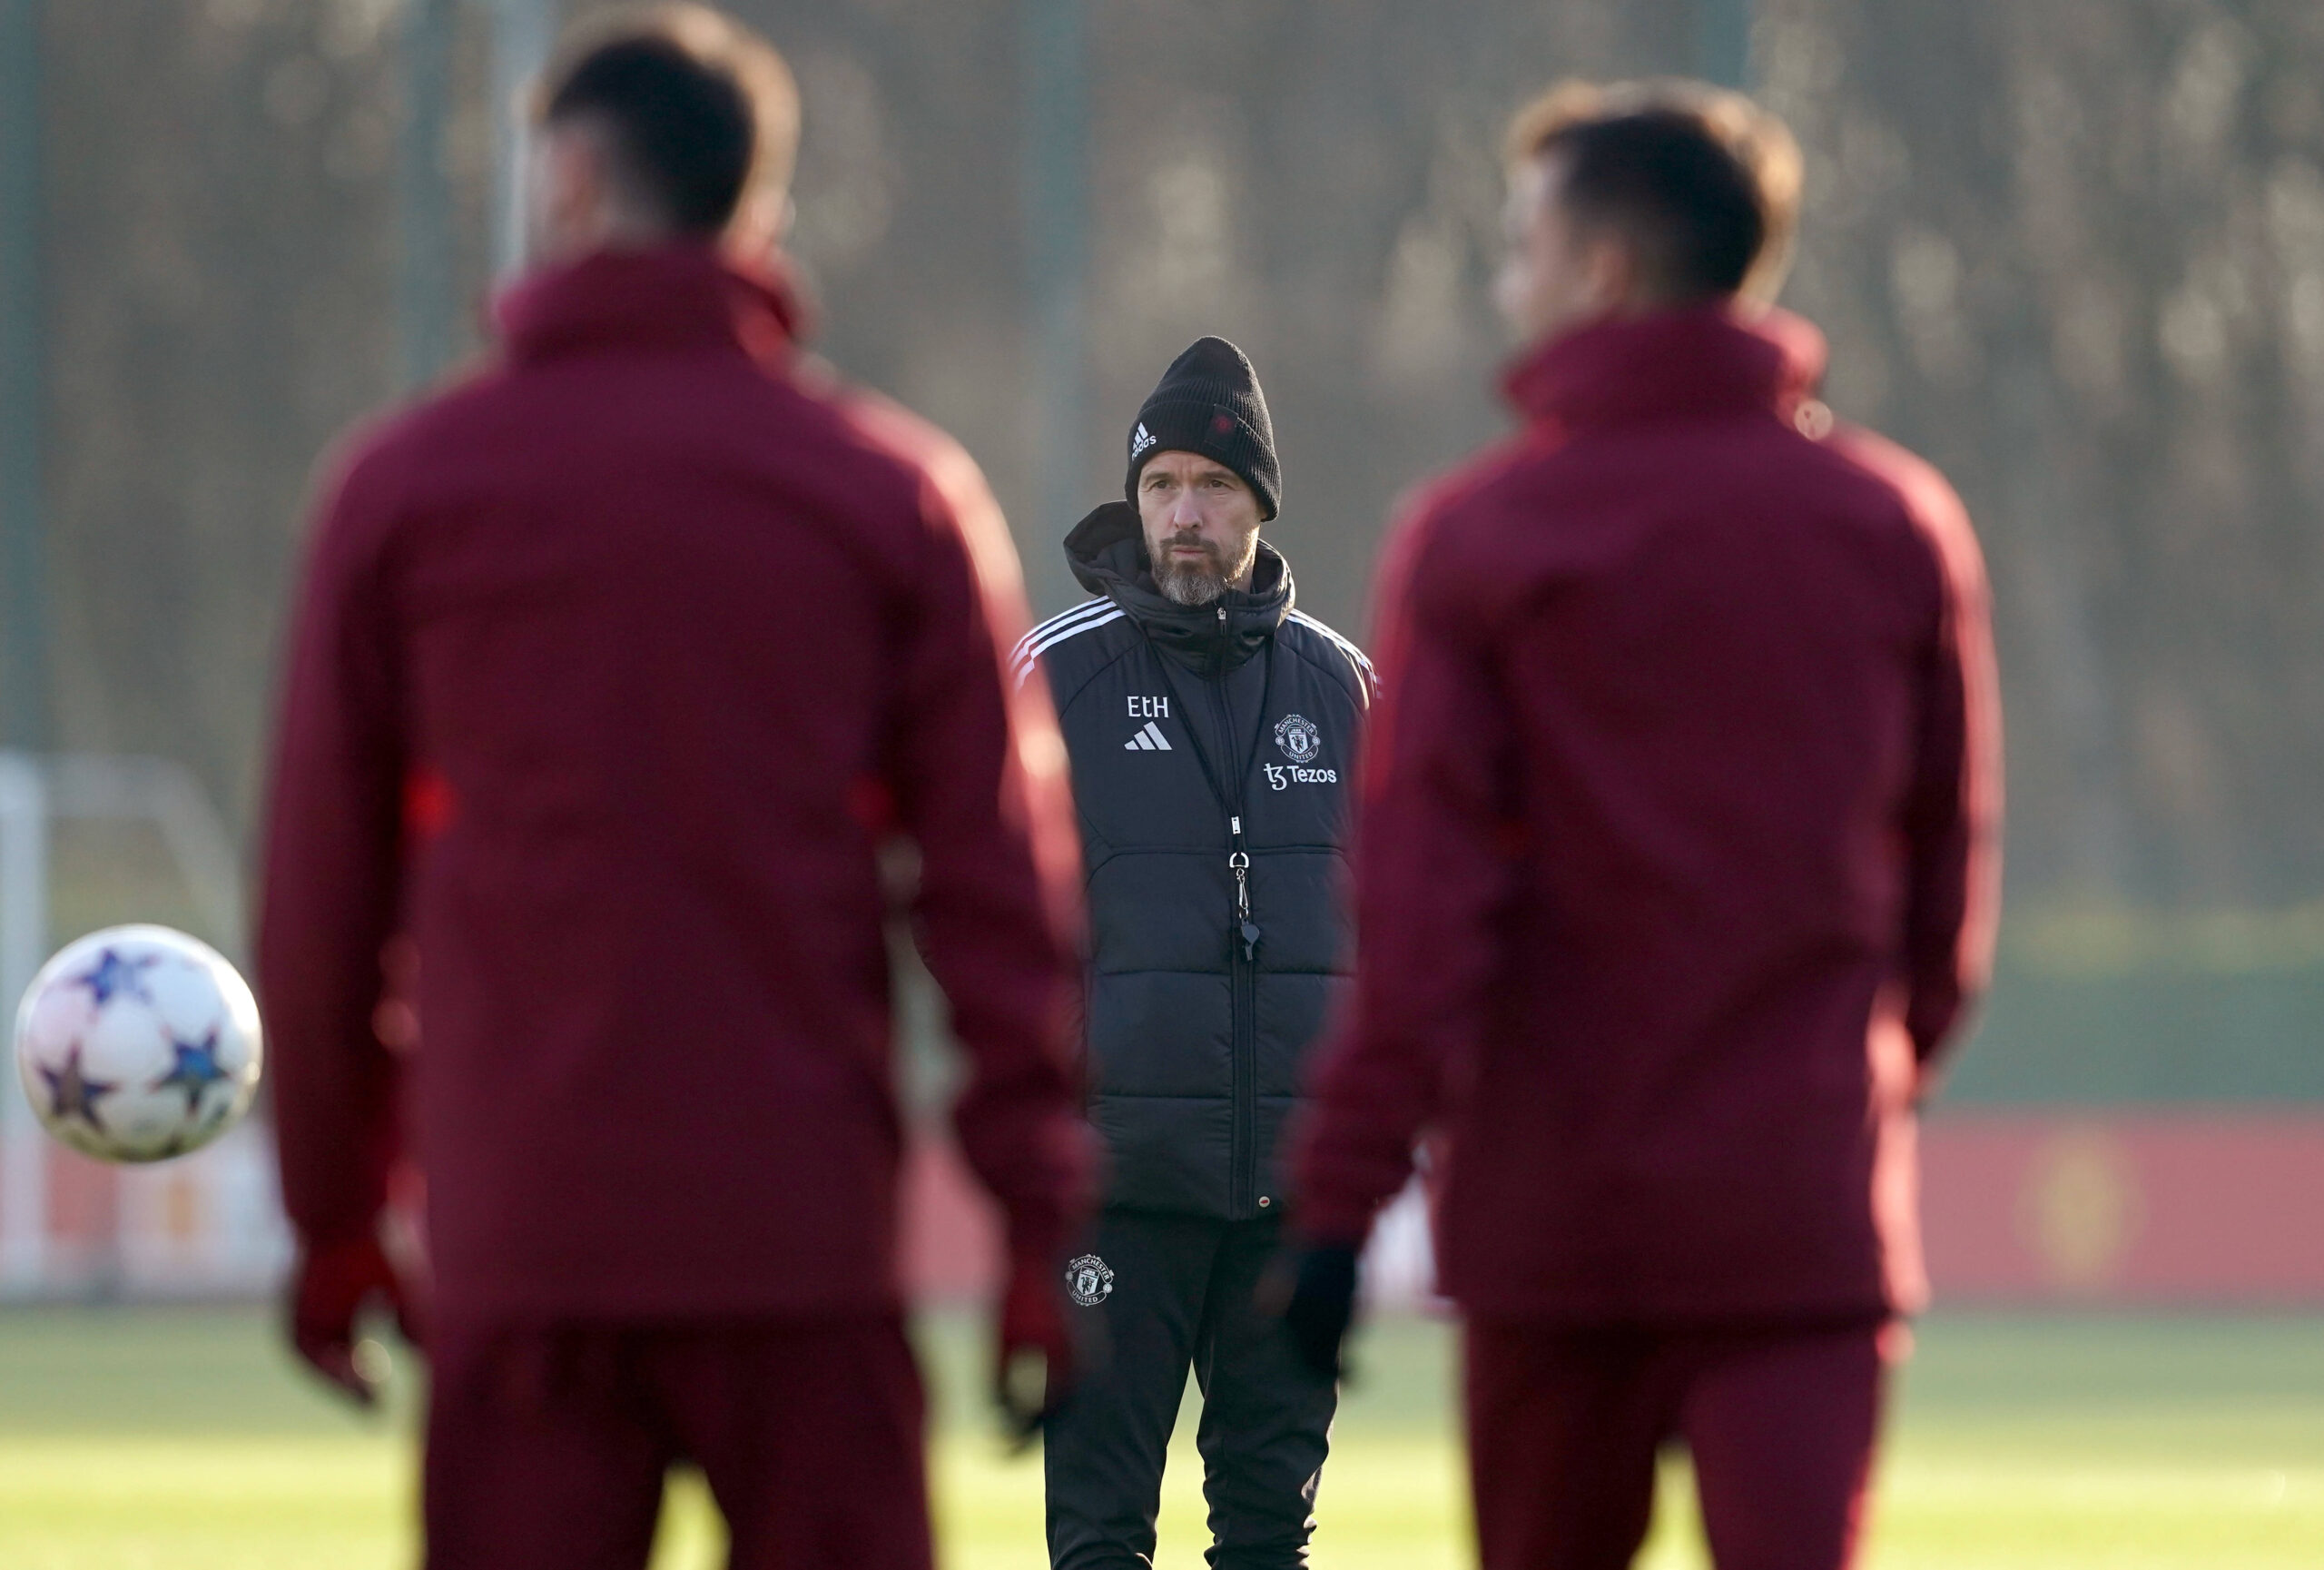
(1320, 1305)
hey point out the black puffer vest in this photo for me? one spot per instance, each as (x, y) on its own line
(1214, 750)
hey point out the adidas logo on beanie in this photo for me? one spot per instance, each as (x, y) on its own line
(1209, 402)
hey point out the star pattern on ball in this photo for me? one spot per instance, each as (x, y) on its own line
(72, 1094)
(194, 1069)
(114, 974)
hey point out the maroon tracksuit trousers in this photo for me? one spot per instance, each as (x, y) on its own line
(1565, 1424)
(547, 1446)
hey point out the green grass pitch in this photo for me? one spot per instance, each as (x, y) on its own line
(183, 1439)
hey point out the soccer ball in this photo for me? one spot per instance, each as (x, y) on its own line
(138, 1044)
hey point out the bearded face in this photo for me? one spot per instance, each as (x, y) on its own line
(1192, 570)
(1201, 527)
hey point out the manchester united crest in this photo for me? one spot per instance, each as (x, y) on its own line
(1299, 738)
(1090, 1281)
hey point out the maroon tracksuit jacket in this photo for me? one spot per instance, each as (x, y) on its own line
(659, 637)
(1677, 861)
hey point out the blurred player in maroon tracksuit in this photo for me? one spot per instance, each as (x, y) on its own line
(614, 667)
(1675, 870)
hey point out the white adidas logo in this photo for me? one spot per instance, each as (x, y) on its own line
(1141, 440)
(1150, 739)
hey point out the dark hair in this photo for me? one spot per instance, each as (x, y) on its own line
(695, 110)
(1703, 184)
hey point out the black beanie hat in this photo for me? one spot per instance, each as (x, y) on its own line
(1209, 402)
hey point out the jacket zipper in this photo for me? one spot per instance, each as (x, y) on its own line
(1242, 1201)
(1243, 941)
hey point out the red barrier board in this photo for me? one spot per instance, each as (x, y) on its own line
(2184, 1207)
(2176, 1208)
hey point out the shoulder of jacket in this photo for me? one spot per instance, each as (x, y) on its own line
(1311, 638)
(886, 428)
(412, 439)
(365, 478)
(1928, 499)
(874, 442)
(1478, 482)
(1910, 477)
(1070, 643)
(1468, 502)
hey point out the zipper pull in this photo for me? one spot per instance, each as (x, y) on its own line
(1238, 861)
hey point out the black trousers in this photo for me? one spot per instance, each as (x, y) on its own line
(1180, 1291)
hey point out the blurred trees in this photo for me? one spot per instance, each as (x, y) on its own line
(2072, 249)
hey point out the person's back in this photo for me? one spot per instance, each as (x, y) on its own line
(618, 670)
(659, 605)
(1714, 637)
(1675, 874)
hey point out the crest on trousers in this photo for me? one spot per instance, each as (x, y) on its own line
(1299, 738)
(1088, 1280)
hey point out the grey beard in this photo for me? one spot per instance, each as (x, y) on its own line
(1202, 583)
(1190, 585)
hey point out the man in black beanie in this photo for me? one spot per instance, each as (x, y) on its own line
(1213, 730)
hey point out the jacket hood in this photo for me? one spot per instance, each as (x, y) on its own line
(1704, 359)
(1107, 550)
(682, 296)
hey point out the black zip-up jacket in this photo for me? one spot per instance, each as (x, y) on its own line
(1213, 756)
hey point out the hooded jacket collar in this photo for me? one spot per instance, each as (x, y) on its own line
(1704, 359)
(1108, 552)
(686, 295)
